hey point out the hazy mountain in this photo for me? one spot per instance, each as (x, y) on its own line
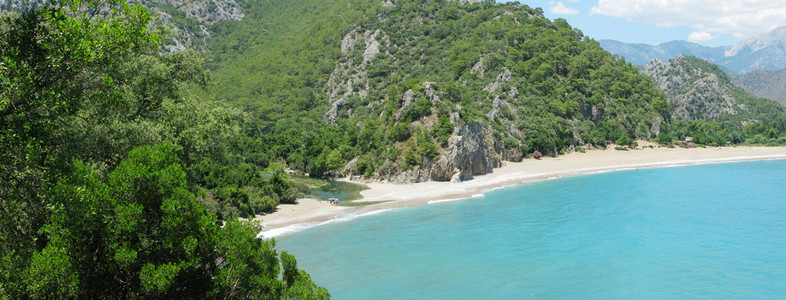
(763, 51)
(764, 83)
(641, 54)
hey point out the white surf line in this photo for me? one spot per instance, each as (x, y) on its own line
(294, 228)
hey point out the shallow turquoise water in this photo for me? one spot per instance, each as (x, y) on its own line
(706, 232)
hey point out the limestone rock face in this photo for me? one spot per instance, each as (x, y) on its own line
(469, 153)
(350, 78)
(409, 95)
(693, 93)
(372, 46)
(332, 114)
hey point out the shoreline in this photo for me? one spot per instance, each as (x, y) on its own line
(291, 218)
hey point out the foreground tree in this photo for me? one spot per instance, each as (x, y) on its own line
(88, 219)
(141, 234)
(53, 61)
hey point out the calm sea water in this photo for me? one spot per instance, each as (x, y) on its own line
(707, 232)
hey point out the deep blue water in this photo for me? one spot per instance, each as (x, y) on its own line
(699, 232)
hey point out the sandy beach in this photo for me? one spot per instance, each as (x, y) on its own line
(307, 213)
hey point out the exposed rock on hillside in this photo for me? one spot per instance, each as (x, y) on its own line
(469, 153)
(693, 93)
(350, 76)
(412, 71)
(762, 51)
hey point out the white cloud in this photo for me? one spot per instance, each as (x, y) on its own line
(561, 9)
(701, 36)
(709, 16)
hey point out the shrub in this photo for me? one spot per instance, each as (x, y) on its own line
(510, 143)
(417, 110)
(399, 133)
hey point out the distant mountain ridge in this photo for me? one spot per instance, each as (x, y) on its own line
(641, 54)
(762, 51)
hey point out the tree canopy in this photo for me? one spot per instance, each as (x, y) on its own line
(100, 155)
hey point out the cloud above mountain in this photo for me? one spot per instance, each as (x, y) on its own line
(708, 17)
(560, 9)
(701, 36)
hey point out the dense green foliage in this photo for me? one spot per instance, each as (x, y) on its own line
(140, 234)
(100, 151)
(284, 65)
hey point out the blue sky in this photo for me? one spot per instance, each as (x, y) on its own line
(707, 22)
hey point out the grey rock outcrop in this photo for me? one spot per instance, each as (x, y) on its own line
(693, 93)
(502, 78)
(209, 11)
(332, 114)
(478, 68)
(348, 42)
(350, 78)
(468, 154)
(372, 46)
(496, 108)
(409, 95)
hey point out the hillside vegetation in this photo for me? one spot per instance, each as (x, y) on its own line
(393, 88)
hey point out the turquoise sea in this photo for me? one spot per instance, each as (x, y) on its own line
(697, 232)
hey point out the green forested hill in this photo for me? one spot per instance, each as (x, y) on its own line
(331, 81)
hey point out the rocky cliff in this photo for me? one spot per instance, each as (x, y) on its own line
(694, 93)
(700, 90)
(469, 153)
